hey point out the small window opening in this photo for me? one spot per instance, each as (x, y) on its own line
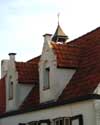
(10, 90)
(46, 78)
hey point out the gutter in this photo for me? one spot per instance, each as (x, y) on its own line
(50, 105)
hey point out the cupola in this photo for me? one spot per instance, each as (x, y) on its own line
(59, 36)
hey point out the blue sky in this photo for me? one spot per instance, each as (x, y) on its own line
(23, 22)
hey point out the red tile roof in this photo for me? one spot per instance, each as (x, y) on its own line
(87, 40)
(28, 74)
(2, 96)
(34, 60)
(82, 54)
(87, 76)
(28, 71)
(67, 56)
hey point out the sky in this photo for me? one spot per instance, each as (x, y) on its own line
(24, 22)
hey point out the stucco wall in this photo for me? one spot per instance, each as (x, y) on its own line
(58, 77)
(23, 91)
(85, 108)
(4, 67)
(11, 104)
(97, 110)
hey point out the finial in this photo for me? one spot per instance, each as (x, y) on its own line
(58, 17)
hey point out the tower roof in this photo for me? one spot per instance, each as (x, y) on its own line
(59, 35)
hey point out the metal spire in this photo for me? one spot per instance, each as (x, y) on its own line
(58, 15)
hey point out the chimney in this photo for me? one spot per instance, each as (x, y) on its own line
(47, 37)
(12, 57)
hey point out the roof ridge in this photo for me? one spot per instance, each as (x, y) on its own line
(85, 35)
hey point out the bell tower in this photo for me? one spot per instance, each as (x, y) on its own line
(59, 36)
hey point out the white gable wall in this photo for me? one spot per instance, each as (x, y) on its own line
(62, 78)
(85, 108)
(58, 77)
(11, 104)
(20, 91)
(4, 68)
(23, 91)
(49, 59)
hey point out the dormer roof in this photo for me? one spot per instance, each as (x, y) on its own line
(28, 71)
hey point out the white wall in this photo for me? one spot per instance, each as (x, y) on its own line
(59, 77)
(85, 108)
(11, 104)
(97, 110)
(4, 68)
(97, 105)
(23, 91)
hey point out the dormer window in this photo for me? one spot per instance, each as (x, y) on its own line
(46, 78)
(10, 93)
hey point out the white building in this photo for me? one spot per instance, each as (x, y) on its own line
(59, 87)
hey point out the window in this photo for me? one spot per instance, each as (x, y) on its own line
(21, 123)
(67, 121)
(77, 120)
(32, 123)
(45, 122)
(29, 123)
(62, 121)
(46, 78)
(10, 89)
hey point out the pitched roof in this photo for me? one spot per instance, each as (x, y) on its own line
(87, 40)
(28, 71)
(87, 76)
(28, 74)
(85, 61)
(83, 54)
(67, 56)
(34, 60)
(59, 31)
(32, 99)
(2, 96)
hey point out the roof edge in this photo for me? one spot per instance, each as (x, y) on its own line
(51, 104)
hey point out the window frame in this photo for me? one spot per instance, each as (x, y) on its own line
(79, 118)
(46, 84)
(63, 119)
(32, 123)
(10, 90)
(47, 121)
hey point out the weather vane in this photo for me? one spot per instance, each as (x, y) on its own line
(58, 17)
